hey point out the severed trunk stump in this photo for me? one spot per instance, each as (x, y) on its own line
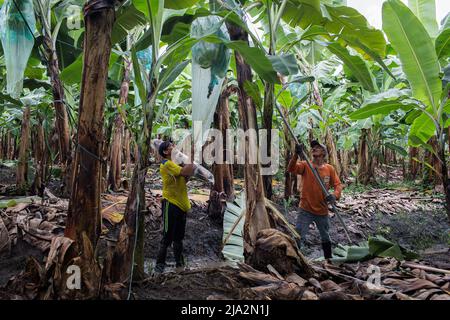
(275, 248)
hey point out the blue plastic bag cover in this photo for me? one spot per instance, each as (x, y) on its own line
(17, 41)
(145, 63)
(145, 58)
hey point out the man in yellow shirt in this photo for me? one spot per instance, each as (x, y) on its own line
(175, 205)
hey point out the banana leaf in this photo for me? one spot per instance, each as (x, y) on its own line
(376, 246)
(13, 202)
(233, 224)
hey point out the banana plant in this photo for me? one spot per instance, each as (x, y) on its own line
(51, 15)
(429, 104)
(166, 65)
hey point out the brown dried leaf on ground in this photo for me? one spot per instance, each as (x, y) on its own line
(295, 278)
(416, 285)
(425, 294)
(388, 201)
(5, 241)
(329, 285)
(27, 284)
(334, 295)
(258, 278)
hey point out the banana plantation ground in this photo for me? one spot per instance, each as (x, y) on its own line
(410, 216)
(117, 115)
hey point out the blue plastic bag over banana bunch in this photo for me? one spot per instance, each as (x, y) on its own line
(145, 58)
(17, 41)
(210, 63)
(145, 65)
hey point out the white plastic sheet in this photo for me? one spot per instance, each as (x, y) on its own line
(17, 41)
(203, 107)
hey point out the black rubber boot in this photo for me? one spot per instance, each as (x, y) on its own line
(326, 246)
(178, 253)
(161, 259)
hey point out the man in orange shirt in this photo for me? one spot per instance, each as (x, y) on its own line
(313, 204)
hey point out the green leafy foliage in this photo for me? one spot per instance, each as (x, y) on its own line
(381, 108)
(396, 148)
(127, 18)
(415, 49)
(356, 64)
(284, 64)
(425, 10)
(443, 44)
(302, 13)
(353, 26)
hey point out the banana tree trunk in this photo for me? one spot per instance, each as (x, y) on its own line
(40, 159)
(267, 125)
(9, 146)
(414, 166)
(365, 166)
(61, 116)
(115, 167)
(84, 207)
(223, 172)
(430, 176)
(2, 144)
(444, 176)
(107, 132)
(127, 150)
(131, 239)
(332, 152)
(329, 141)
(345, 164)
(256, 218)
(290, 180)
(22, 166)
(448, 134)
(115, 161)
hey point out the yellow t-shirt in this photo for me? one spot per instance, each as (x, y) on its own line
(174, 185)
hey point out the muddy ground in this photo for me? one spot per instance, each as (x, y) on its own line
(201, 243)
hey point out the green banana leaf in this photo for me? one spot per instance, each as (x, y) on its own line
(376, 246)
(425, 10)
(13, 202)
(381, 107)
(356, 64)
(416, 50)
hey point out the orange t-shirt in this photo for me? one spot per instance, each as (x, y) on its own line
(312, 198)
